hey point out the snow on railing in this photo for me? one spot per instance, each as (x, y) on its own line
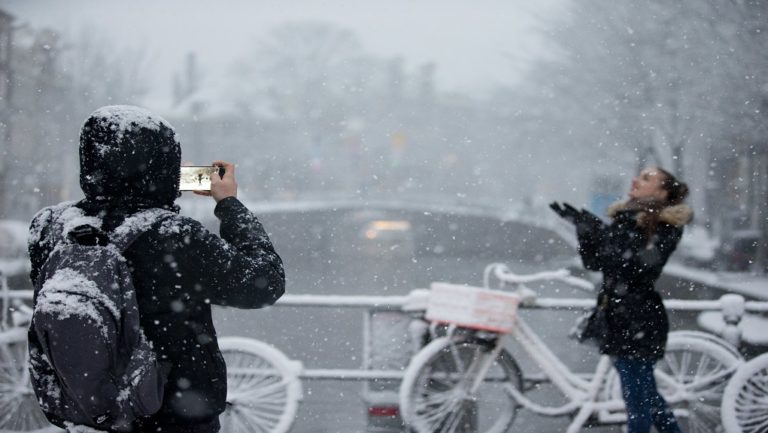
(732, 306)
(399, 302)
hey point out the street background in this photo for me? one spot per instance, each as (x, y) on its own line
(462, 119)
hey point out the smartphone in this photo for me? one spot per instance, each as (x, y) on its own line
(198, 178)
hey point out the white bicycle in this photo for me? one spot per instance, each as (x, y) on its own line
(745, 401)
(467, 381)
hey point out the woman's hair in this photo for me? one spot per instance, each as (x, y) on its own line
(677, 190)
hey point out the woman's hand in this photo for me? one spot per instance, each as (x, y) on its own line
(566, 211)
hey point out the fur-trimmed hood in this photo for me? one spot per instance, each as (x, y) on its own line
(677, 215)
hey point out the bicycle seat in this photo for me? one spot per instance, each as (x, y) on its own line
(527, 296)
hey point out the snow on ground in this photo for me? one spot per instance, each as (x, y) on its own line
(743, 283)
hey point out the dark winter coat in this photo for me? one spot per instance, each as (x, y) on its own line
(179, 268)
(631, 263)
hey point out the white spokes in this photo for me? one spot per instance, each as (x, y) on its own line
(692, 377)
(19, 411)
(266, 390)
(458, 363)
(704, 372)
(263, 388)
(746, 407)
(256, 417)
(436, 393)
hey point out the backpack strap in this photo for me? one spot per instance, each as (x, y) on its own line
(136, 225)
(88, 235)
(68, 219)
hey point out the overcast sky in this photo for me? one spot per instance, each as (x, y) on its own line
(475, 44)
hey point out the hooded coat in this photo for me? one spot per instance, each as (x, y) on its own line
(130, 161)
(631, 263)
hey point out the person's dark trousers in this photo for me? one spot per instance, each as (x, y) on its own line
(645, 406)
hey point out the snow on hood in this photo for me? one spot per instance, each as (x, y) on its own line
(129, 158)
(125, 118)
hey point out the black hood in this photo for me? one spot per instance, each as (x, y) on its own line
(129, 158)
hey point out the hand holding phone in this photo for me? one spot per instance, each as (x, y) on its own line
(224, 185)
(216, 180)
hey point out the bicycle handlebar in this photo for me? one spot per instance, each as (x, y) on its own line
(502, 272)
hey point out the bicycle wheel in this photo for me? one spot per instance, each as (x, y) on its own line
(19, 411)
(691, 377)
(435, 394)
(263, 387)
(745, 401)
(709, 337)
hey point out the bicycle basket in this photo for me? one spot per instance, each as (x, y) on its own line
(472, 307)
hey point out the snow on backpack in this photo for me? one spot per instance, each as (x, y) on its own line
(90, 361)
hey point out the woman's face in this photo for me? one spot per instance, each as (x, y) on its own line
(647, 185)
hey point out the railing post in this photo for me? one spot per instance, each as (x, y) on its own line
(4, 301)
(417, 329)
(733, 310)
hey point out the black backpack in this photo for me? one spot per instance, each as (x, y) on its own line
(90, 361)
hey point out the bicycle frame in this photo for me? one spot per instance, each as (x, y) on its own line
(582, 394)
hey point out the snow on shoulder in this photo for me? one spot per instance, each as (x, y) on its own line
(44, 217)
(141, 222)
(74, 217)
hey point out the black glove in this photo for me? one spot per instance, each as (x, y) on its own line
(589, 225)
(566, 211)
(588, 218)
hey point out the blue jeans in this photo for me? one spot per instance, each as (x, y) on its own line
(645, 406)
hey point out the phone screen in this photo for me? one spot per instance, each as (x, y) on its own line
(197, 178)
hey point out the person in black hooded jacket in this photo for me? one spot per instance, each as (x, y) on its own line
(631, 252)
(130, 161)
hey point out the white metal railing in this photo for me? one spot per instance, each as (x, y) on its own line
(732, 306)
(398, 302)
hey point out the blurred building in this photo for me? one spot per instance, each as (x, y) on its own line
(737, 202)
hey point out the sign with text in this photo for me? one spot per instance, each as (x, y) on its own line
(472, 307)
